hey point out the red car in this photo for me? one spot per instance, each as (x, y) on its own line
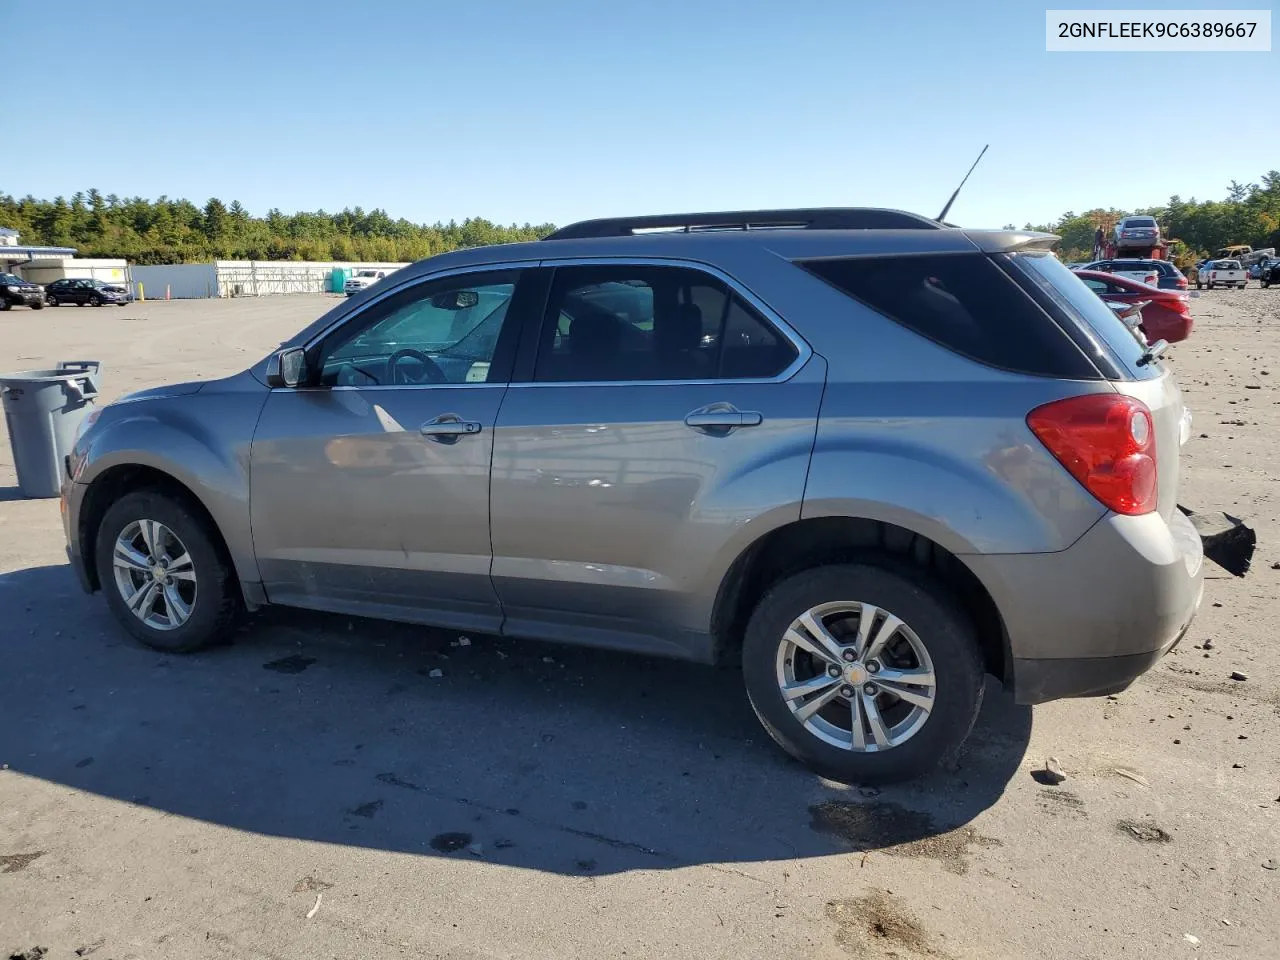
(1167, 315)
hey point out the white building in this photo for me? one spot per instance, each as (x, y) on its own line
(243, 278)
(47, 264)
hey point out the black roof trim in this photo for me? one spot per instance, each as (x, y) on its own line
(811, 218)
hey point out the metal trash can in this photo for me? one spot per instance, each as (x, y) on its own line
(42, 412)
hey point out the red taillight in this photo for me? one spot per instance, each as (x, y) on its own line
(1107, 442)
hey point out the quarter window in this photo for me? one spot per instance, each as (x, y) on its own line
(635, 323)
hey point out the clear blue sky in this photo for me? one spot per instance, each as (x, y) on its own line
(555, 110)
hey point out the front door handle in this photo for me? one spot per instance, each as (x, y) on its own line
(448, 427)
(720, 418)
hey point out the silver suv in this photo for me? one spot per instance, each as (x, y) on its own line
(871, 456)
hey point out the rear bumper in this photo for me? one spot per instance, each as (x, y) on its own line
(1092, 618)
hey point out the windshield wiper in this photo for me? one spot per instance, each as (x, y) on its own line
(1153, 352)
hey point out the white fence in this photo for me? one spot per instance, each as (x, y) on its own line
(242, 278)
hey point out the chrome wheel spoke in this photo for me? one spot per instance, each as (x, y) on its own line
(820, 641)
(804, 688)
(150, 536)
(817, 703)
(858, 730)
(876, 722)
(917, 678)
(915, 697)
(180, 567)
(178, 609)
(128, 558)
(144, 600)
(882, 636)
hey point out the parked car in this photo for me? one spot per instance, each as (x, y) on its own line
(83, 292)
(1166, 314)
(1221, 273)
(1159, 273)
(1137, 231)
(1269, 272)
(362, 280)
(664, 441)
(16, 292)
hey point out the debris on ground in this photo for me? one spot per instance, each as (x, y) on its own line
(310, 884)
(1191, 939)
(312, 912)
(14, 862)
(1145, 831)
(1132, 775)
(89, 948)
(1228, 541)
(1237, 675)
(290, 664)
(1270, 864)
(35, 953)
(450, 842)
(1051, 775)
(1208, 644)
(435, 674)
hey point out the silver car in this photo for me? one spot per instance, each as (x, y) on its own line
(871, 457)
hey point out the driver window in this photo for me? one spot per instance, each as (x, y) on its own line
(445, 331)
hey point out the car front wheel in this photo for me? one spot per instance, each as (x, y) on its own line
(867, 673)
(163, 577)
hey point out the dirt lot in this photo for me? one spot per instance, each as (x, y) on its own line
(311, 791)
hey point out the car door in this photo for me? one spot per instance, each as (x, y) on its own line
(370, 483)
(665, 410)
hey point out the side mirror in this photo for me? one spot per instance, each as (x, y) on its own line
(287, 368)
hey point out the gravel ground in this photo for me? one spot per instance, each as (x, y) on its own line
(313, 791)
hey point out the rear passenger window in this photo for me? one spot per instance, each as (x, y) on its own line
(635, 323)
(965, 303)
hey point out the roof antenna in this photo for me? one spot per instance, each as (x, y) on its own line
(947, 209)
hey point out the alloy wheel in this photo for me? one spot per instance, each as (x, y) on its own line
(856, 676)
(154, 574)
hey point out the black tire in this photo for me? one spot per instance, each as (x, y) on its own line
(95, 301)
(925, 606)
(4, 304)
(52, 302)
(217, 607)
(1199, 285)
(38, 305)
(1210, 284)
(1265, 284)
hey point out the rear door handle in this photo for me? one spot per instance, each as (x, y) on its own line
(720, 418)
(448, 427)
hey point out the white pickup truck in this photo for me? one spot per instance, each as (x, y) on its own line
(363, 279)
(1221, 273)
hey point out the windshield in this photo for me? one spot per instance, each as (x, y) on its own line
(1071, 295)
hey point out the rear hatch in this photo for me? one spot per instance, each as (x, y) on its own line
(1124, 359)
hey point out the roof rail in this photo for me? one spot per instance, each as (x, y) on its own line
(812, 218)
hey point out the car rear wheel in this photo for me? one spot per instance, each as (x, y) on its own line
(867, 673)
(163, 577)
(95, 301)
(4, 304)
(51, 300)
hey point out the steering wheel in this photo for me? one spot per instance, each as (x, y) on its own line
(432, 371)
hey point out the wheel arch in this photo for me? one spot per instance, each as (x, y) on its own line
(118, 481)
(819, 541)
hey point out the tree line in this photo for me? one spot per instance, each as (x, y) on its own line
(1250, 213)
(177, 231)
